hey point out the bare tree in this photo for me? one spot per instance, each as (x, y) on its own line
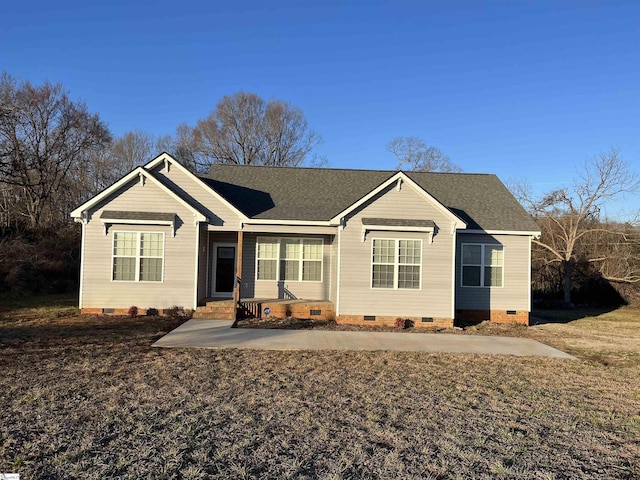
(123, 154)
(244, 129)
(43, 134)
(132, 149)
(572, 230)
(414, 154)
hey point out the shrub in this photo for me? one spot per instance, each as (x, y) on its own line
(176, 312)
(152, 312)
(133, 311)
(403, 323)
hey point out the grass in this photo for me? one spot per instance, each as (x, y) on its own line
(87, 397)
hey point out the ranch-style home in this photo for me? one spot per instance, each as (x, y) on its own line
(360, 246)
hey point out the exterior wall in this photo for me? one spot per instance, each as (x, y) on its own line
(252, 288)
(301, 310)
(333, 279)
(515, 294)
(203, 260)
(510, 317)
(219, 214)
(388, 321)
(180, 263)
(434, 298)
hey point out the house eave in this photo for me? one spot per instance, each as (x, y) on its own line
(525, 233)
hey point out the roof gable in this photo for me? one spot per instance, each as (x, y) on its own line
(143, 175)
(399, 178)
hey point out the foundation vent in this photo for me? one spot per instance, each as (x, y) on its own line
(369, 318)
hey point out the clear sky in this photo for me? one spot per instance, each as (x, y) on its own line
(521, 89)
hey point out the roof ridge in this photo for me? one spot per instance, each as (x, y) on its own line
(340, 169)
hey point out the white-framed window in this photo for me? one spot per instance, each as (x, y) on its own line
(396, 263)
(289, 259)
(138, 257)
(482, 265)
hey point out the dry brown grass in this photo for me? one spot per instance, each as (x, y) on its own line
(88, 398)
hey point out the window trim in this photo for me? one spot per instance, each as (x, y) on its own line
(482, 265)
(138, 234)
(280, 258)
(396, 264)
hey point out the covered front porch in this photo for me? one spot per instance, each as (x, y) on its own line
(229, 286)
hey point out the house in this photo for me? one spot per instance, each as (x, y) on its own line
(357, 245)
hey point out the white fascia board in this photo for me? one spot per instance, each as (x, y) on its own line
(405, 179)
(368, 196)
(284, 229)
(139, 171)
(534, 234)
(129, 221)
(77, 213)
(166, 158)
(399, 228)
(318, 223)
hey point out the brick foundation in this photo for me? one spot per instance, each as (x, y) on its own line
(300, 310)
(391, 320)
(116, 312)
(510, 317)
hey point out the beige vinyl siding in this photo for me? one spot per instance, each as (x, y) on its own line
(514, 294)
(333, 280)
(220, 215)
(203, 260)
(273, 289)
(99, 291)
(434, 299)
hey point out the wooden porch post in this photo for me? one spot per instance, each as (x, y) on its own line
(237, 290)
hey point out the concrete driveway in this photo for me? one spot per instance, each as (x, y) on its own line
(219, 334)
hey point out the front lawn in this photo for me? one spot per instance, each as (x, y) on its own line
(87, 397)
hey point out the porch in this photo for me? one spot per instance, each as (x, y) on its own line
(227, 309)
(228, 284)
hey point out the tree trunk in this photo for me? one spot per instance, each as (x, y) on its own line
(567, 270)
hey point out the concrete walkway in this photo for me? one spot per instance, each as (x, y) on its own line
(219, 334)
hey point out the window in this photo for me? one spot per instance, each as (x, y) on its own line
(267, 257)
(482, 265)
(289, 259)
(396, 263)
(138, 256)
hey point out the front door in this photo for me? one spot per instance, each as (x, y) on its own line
(224, 269)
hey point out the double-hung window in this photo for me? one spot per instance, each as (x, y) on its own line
(138, 256)
(396, 263)
(482, 265)
(289, 259)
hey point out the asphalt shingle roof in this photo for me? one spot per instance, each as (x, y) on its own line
(398, 222)
(284, 193)
(149, 216)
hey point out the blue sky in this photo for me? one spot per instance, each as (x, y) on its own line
(520, 89)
